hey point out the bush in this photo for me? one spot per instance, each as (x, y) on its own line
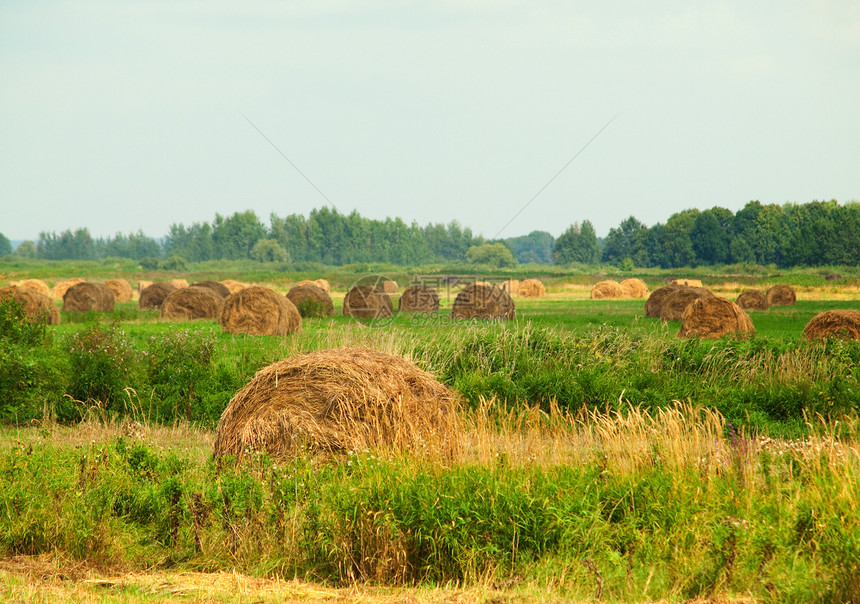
(102, 364)
(178, 363)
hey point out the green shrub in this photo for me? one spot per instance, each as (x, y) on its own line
(102, 365)
(179, 369)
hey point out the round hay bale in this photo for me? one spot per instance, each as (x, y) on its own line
(483, 301)
(712, 317)
(37, 306)
(367, 302)
(36, 285)
(418, 298)
(753, 299)
(676, 302)
(633, 288)
(321, 283)
(781, 295)
(121, 289)
(389, 286)
(179, 283)
(687, 282)
(655, 301)
(334, 401)
(311, 300)
(219, 288)
(606, 289)
(62, 287)
(86, 296)
(233, 286)
(153, 295)
(844, 324)
(512, 286)
(191, 303)
(142, 285)
(259, 311)
(532, 288)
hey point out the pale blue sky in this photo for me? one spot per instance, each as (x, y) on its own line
(121, 116)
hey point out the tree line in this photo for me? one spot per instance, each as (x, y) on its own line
(810, 234)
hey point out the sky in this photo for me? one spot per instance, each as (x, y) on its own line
(506, 116)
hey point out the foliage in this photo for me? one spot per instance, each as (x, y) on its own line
(578, 244)
(5, 245)
(25, 249)
(536, 247)
(497, 255)
(268, 250)
(102, 363)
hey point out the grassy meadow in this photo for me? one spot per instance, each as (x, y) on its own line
(599, 457)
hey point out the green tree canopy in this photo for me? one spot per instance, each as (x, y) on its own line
(5, 245)
(492, 254)
(268, 250)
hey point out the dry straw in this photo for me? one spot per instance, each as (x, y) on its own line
(674, 304)
(606, 289)
(655, 301)
(712, 317)
(512, 286)
(62, 287)
(532, 288)
(153, 295)
(418, 298)
(87, 296)
(311, 299)
(34, 284)
(483, 301)
(336, 401)
(322, 283)
(367, 302)
(121, 289)
(781, 295)
(37, 306)
(634, 288)
(753, 299)
(687, 282)
(234, 286)
(191, 303)
(834, 324)
(259, 311)
(220, 289)
(179, 283)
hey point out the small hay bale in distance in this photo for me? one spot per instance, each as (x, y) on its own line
(38, 307)
(418, 298)
(844, 324)
(388, 286)
(219, 288)
(711, 317)
(322, 283)
(259, 311)
(512, 286)
(87, 296)
(687, 282)
(233, 286)
(62, 287)
(179, 283)
(339, 400)
(655, 301)
(189, 303)
(34, 284)
(311, 300)
(153, 295)
(633, 288)
(606, 289)
(483, 301)
(367, 302)
(142, 285)
(753, 299)
(121, 289)
(781, 295)
(532, 288)
(674, 305)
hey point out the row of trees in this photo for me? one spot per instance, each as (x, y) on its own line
(811, 234)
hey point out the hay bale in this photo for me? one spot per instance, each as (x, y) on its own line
(512, 286)
(34, 284)
(712, 317)
(687, 282)
(87, 296)
(62, 287)
(191, 303)
(532, 288)
(367, 302)
(311, 300)
(606, 289)
(321, 283)
(259, 311)
(142, 285)
(781, 295)
(483, 301)
(233, 286)
(388, 286)
(418, 298)
(844, 324)
(674, 304)
(38, 307)
(153, 295)
(753, 299)
(179, 283)
(219, 288)
(121, 289)
(633, 288)
(655, 301)
(334, 401)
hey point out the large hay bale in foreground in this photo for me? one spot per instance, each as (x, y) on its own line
(334, 401)
(655, 301)
(87, 296)
(233, 286)
(62, 287)
(189, 303)
(781, 295)
(311, 300)
(219, 288)
(606, 289)
(121, 289)
(418, 298)
(674, 305)
(153, 296)
(532, 288)
(753, 299)
(843, 324)
(34, 284)
(37, 307)
(367, 302)
(633, 288)
(483, 301)
(712, 317)
(687, 282)
(259, 311)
